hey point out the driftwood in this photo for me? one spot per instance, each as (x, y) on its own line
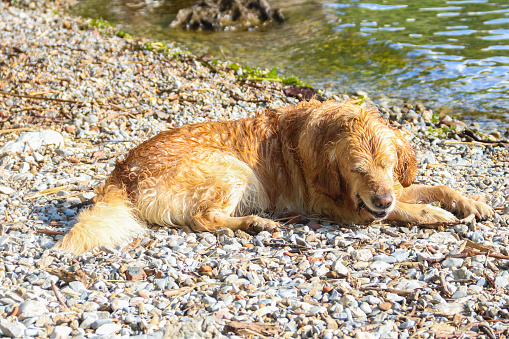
(251, 329)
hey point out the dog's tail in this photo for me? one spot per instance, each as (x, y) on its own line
(111, 221)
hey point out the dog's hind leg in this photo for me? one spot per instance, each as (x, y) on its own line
(210, 221)
(229, 198)
(219, 191)
(229, 201)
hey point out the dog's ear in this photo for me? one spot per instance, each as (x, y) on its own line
(328, 180)
(406, 170)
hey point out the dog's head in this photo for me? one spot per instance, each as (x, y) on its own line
(357, 157)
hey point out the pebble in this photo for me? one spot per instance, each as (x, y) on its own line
(501, 282)
(339, 268)
(30, 309)
(449, 308)
(462, 274)
(385, 306)
(452, 263)
(6, 190)
(33, 141)
(379, 265)
(364, 254)
(180, 285)
(12, 329)
(108, 329)
(61, 332)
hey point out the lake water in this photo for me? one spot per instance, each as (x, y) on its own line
(451, 55)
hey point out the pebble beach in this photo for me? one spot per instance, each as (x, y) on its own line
(75, 96)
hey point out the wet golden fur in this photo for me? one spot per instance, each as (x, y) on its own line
(339, 161)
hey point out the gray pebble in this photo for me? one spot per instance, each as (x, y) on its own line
(452, 262)
(12, 329)
(60, 332)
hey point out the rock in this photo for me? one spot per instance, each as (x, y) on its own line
(189, 330)
(264, 311)
(12, 329)
(317, 310)
(101, 322)
(303, 93)
(225, 231)
(30, 309)
(357, 312)
(363, 254)
(501, 282)
(108, 329)
(218, 15)
(339, 268)
(253, 278)
(427, 115)
(89, 306)
(108, 249)
(60, 332)
(462, 274)
(459, 294)
(385, 306)
(348, 300)
(400, 255)
(407, 324)
(442, 238)
(379, 265)
(287, 293)
(321, 271)
(135, 273)
(452, 262)
(205, 269)
(70, 129)
(34, 141)
(6, 190)
(365, 335)
(119, 304)
(366, 308)
(449, 308)
(77, 286)
(385, 258)
(88, 319)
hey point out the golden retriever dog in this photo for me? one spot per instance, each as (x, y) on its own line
(337, 161)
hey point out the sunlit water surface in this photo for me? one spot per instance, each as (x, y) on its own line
(450, 55)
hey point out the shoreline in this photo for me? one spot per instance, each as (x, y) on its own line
(100, 95)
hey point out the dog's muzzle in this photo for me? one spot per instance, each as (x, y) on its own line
(377, 214)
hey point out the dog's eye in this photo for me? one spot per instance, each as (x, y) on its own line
(361, 171)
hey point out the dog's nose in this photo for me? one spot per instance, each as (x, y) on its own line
(382, 201)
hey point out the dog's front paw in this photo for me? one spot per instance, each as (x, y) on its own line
(257, 224)
(432, 214)
(468, 206)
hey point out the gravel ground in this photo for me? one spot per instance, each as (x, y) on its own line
(74, 98)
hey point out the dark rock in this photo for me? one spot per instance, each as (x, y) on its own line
(218, 15)
(303, 93)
